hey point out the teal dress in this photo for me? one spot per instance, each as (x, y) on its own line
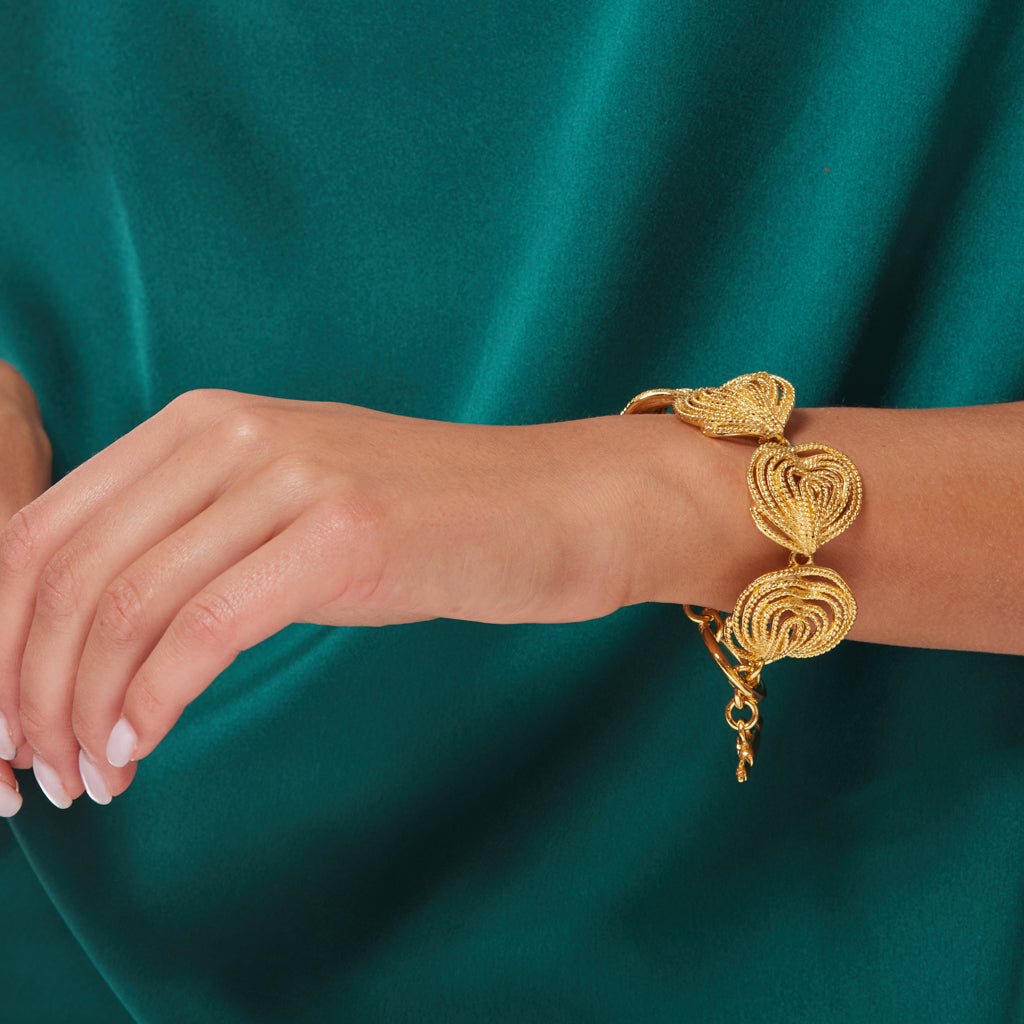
(506, 213)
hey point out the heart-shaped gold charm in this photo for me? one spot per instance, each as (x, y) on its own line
(797, 612)
(754, 405)
(804, 495)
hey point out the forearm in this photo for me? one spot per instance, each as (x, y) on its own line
(936, 557)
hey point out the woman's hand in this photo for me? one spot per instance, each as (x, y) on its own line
(25, 474)
(135, 580)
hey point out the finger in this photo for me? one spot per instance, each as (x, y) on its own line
(10, 797)
(25, 472)
(137, 607)
(23, 759)
(307, 565)
(8, 746)
(103, 782)
(70, 588)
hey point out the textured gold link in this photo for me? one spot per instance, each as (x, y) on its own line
(803, 496)
(754, 405)
(797, 612)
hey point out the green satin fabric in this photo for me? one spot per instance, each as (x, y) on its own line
(500, 212)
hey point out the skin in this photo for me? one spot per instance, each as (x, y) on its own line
(25, 472)
(134, 581)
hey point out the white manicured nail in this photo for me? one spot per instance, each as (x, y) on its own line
(121, 745)
(50, 784)
(95, 784)
(8, 751)
(10, 801)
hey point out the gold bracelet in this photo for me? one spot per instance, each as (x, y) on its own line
(804, 495)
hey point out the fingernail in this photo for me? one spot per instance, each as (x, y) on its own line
(50, 784)
(95, 784)
(8, 751)
(121, 745)
(10, 801)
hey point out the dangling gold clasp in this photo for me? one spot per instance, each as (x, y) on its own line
(748, 731)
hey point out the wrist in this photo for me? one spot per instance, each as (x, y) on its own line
(686, 510)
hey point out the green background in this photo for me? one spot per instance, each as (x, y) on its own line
(495, 212)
